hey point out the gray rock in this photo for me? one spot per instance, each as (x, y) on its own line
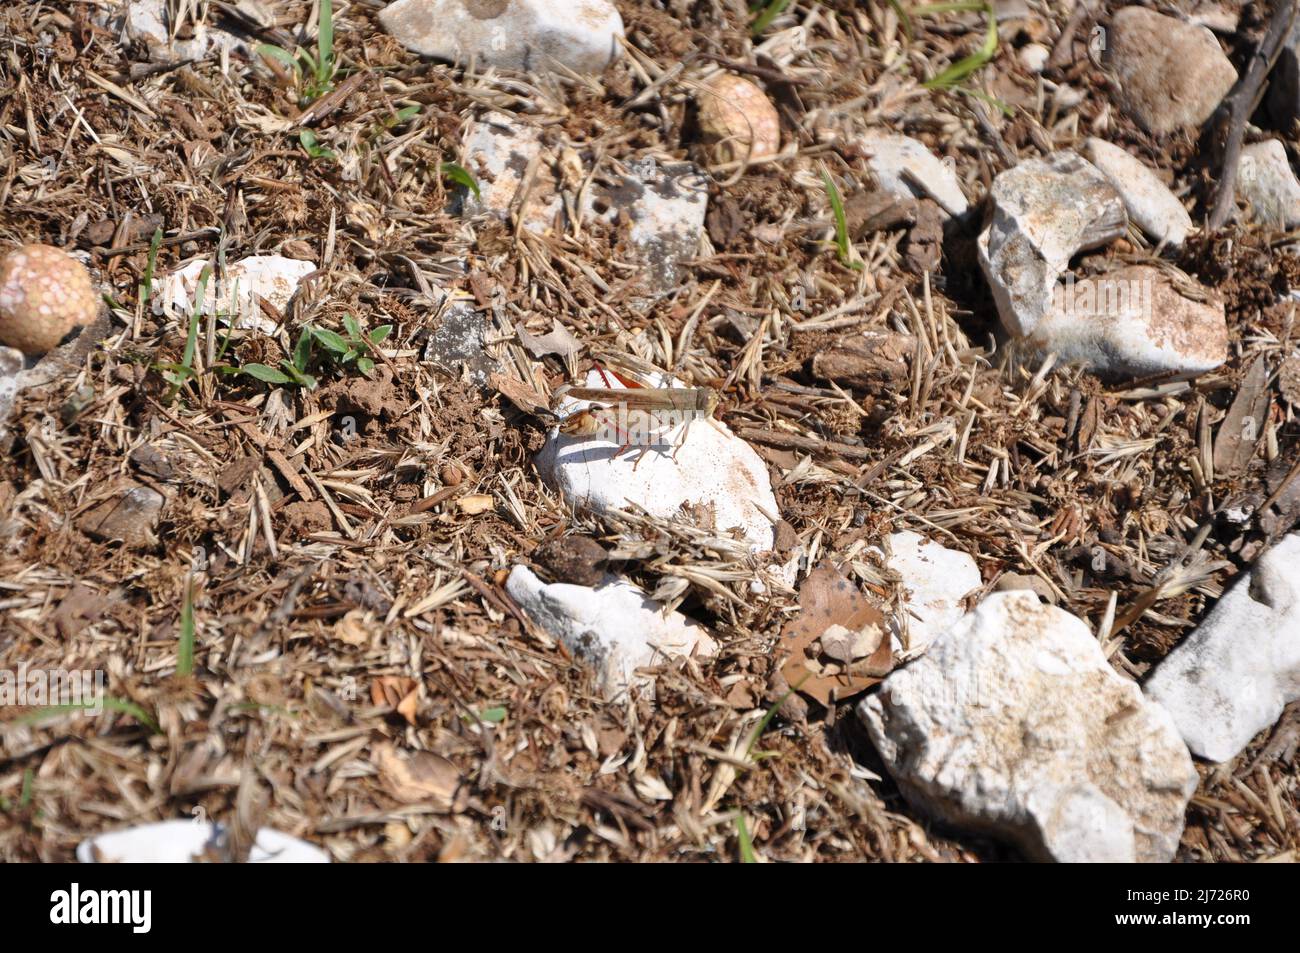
(1265, 179)
(129, 515)
(1043, 212)
(1149, 202)
(1013, 723)
(1231, 678)
(460, 342)
(1172, 74)
(515, 34)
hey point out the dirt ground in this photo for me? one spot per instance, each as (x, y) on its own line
(359, 676)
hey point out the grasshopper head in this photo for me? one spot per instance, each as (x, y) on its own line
(581, 424)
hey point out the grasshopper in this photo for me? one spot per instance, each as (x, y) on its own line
(641, 410)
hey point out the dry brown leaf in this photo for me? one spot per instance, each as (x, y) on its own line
(1243, 427)
(398, 693)
(831, 604)
(417, 777)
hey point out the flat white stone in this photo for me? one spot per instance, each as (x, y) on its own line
(1043, 212)
(1014, 724)
(906, 169)
(1149, 202)
(698, 464)
(515, 34)
(1132, 321)
(1231, 678)
(936, 581)
(615, 626)
(1265, 179)
(234, 298)
(181, 841)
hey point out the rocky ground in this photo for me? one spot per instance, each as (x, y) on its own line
(979, 545)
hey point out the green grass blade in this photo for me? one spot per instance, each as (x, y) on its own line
(958, 71)
(769, 13)
(325, 43)
(119, 705)
(283, 56)
(842, 244)
(746, 842)
(268, 375)
(460, 176)
(185, 650)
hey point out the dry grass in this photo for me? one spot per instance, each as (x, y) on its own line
(344, 600)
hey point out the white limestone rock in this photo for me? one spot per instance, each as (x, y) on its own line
(234, 296)
(497, 152)
(1231, 678)
(665, 205)
(189, 842)
(1265, 179)
(12, 363)
(148, 22)
(699, 464)
(529, 35)
(936, 581)
(906, 169)
(1133, 321)
(1013, 723)
(615, 626)
(1043, 212)
(1149, 202)
(1172, 75)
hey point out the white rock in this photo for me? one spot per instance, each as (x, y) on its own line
(1131, 322)
(272, 277)
(1034, 56)
(182, 841)
(616, 626)
(906, 169)
(1172, 75)
(1149, 202)
(1265, 179)
(11, 364)
(1231, 678)
(1043, 212)
(665, 205)
(514, 34)
(1013, 723)
(497, 152)
(936, 580)
(147, 22)
(699, 464)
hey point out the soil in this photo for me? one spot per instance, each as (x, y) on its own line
(356, 659)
